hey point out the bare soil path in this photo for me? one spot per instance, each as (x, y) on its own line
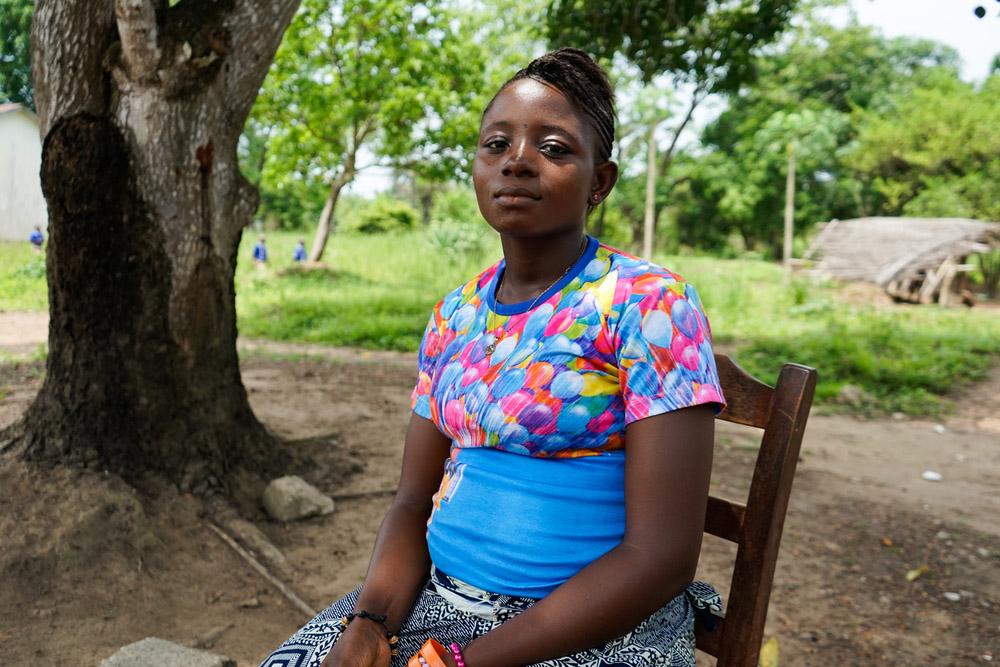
(87, 565)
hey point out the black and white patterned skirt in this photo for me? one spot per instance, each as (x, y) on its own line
(453, 611)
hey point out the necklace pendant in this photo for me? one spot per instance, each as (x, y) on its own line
(495, 340)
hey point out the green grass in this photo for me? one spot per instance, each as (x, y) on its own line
(904, 357)
(22, 278)
(379, 294)
(381, 290)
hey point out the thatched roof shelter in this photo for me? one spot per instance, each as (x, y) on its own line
(913, 259)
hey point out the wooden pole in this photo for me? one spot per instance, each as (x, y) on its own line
(789, 209)
(650, 214)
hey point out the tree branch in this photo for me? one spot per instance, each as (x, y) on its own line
(77, 32)
(138, 31)
(360, 136)
(696, 98)
(322, 136)
(256, 29)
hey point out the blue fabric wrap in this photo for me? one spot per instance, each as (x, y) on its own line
(522, 525)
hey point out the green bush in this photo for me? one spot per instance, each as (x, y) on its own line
(900, 363)
(383, 215)
(32, 270)
(617, 231)
(457, 204)
(457, 241)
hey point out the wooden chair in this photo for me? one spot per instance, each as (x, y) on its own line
(756, 527)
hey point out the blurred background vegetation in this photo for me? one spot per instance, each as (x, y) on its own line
(881, 126)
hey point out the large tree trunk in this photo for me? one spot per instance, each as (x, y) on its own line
(141, 107)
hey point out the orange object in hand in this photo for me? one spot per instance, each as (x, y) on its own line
(433, 654)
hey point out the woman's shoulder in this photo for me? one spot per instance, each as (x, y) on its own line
(636, 275)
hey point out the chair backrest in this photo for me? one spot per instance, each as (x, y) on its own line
(756, 527)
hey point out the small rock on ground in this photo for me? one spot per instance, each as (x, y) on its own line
(289, 498)
(160, 652)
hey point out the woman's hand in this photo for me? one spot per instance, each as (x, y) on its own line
(362, 644)
(449, 660)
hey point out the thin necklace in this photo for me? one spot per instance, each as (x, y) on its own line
(503, 332)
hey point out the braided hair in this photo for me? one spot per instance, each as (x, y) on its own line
(582, 81)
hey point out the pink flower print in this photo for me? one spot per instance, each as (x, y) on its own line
(560, 321)
(454, 415)
(638, 406)
(512, 404)
(685, 351)
(601, 423)
(706, 393)
(470, 375)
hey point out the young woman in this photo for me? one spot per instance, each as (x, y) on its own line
(569, 393)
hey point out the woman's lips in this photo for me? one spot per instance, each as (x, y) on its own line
(515, 196)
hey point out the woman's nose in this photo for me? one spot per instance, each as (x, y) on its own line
(520, 161)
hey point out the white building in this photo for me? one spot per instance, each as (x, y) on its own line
(22, 205)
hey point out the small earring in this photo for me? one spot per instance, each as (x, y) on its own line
(596, 198)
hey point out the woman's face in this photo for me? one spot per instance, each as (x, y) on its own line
(534, 169)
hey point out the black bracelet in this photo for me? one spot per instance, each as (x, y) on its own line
(378, 618)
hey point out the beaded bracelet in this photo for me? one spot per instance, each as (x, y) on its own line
(377, 618)
(456, 652)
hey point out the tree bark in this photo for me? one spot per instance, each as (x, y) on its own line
(347, 174)
(141, 107)
(789, 223)
(426, 199)
(326, 221)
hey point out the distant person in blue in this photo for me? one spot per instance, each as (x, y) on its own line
(260, 252)
(36, 239)
(299, 255)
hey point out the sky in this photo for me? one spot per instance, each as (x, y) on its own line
(949, 21)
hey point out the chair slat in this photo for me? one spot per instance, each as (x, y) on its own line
(710, 642)
(748, 399)
(724, 518)
(756, 528)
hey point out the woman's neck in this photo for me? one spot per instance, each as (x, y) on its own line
(532, 265)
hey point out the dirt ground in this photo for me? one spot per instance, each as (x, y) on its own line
(88, 565)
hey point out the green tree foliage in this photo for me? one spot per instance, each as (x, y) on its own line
(15, 51)
(842, 68)
(708, 43)
(809, 91)
(390, 76)
(285, 202)
(696, 47)
(935, 151)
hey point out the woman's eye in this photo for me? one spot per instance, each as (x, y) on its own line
(554, 149)
(495, 145)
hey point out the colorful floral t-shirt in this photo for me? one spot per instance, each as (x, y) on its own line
(615, 340)
(536, 398)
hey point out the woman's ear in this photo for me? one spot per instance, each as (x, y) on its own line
(605, 177)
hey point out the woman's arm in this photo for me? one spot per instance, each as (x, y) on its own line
(667, 471)
(400, 561)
